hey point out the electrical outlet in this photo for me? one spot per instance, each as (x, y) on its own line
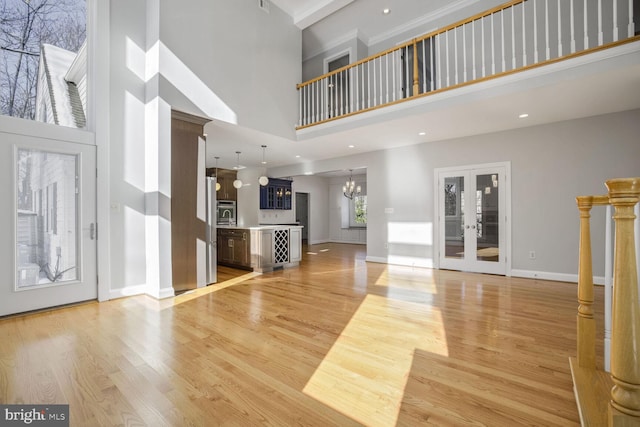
(532, 254)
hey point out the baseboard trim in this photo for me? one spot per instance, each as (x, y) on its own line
(347, 242)
(141, 290)
(128, 291)
(404, 261)
(555, 277)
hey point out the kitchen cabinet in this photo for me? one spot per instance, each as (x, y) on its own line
(225, 178)
(234, 247)
(260, 248)
(276, 194)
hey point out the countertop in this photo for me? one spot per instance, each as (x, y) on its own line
(259, 227)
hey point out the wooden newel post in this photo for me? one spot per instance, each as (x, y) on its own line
(585, 322)
(624, 408)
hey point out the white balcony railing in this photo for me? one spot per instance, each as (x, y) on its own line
(512, 37)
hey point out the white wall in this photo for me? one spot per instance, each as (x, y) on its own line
(239, 60)
(215, 59)
(127, 148)
(550, 164)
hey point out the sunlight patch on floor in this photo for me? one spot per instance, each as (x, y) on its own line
(365, 372)
(196, 293)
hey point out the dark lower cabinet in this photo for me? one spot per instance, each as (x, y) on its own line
(234, 247)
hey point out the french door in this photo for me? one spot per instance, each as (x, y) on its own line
(472, 218)
(49, 215)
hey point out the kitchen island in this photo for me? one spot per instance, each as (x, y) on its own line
(260, 248)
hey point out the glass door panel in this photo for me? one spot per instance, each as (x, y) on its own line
(47, 212)
(454, 216)
(487, 214)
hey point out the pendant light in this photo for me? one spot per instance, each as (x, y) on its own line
(349, 189)
(263, 180)
(218, 186)
(237, 183)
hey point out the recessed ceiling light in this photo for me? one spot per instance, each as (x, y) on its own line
(352, 146)
(523, 116)
(386, 11)
(308, 173)
(297, 156)
(422, 133)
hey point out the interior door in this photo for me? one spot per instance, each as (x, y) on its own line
(472, 219)
(49, 212)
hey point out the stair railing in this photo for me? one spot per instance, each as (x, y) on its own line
(515, 36)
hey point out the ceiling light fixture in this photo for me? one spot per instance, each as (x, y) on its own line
(422, 133)
(263, 180)
(237, 183)
(349, 189)
(386, 11)
(352, 146)
(523, 116)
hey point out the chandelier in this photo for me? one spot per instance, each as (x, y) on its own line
(350, 190)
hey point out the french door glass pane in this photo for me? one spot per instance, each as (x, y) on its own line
(47, 229)
(486, 212)
(454, 216)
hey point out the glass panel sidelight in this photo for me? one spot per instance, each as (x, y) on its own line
(454, 216)
(487, 215)
(47, 218)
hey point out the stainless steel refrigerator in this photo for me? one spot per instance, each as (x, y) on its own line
(212, 249)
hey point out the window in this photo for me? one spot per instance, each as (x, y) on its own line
(42, 69)
(358, 211)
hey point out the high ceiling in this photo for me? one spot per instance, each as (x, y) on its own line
(577, 88)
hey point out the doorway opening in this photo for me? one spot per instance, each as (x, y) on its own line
(302, 215)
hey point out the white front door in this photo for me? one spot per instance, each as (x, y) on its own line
(472, 213)
(49, 213)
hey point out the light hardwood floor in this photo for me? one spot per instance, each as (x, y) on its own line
(335, 342)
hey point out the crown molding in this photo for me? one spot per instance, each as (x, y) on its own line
(318, 12)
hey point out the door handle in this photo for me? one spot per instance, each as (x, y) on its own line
(473, 227)
(93, 231)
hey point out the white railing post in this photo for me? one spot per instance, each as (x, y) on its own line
(535, 32)
(514, 64)
(455, 55)
(615, 20)
(546, 30)
(572, 15)
(631, 28)
(600, 33)
(493, 45)
(484, 70)
(586, 26)
(559, 28)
